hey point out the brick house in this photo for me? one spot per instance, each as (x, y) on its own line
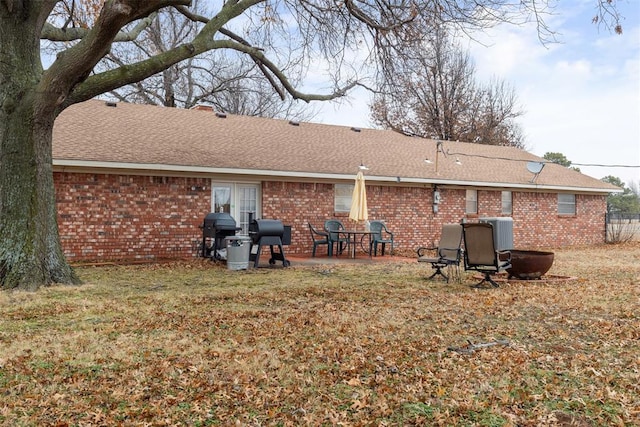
(135, 182)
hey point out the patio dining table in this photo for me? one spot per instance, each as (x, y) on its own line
(353, 240)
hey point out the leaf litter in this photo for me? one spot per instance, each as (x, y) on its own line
(192, 343)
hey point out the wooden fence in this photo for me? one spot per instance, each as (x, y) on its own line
(623, 227)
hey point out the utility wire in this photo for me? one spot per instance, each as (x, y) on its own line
(537, 161)
(604, 166)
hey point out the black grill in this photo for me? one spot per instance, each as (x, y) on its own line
(269, 232)
(260, 228)
(215, 227)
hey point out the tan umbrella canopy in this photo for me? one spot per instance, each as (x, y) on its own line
(358, 210)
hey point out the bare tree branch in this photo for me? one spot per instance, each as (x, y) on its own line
(429, 89)
(608, 15)
(51, 33)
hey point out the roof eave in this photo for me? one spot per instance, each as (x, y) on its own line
(63, 165)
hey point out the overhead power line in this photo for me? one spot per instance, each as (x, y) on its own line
(543, 161)
(604, 166)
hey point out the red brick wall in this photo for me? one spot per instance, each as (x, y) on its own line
(536, 223)
(408, 212)
(296, 204)
(116, 217)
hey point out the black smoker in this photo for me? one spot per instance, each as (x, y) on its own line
(215, 227)
(269, 232)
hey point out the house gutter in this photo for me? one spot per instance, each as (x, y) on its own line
(62, 165)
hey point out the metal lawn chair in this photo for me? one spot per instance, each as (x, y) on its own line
(447, 254)
(480, 252)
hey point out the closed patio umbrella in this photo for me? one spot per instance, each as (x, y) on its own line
(358, 210)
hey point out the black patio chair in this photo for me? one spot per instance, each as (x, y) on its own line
(480, 252)
(319, 238)
(447, 254)
(333, 228)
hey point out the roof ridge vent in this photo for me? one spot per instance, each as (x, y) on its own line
(355, 129)
(294, 122)
(221, 114)
(111, 104)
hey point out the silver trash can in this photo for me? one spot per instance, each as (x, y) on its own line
(238, 249)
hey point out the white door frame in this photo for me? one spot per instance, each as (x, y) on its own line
(232, 201)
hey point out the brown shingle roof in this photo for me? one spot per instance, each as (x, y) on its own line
(131, 135)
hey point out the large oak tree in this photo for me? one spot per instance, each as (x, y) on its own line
(31, 97)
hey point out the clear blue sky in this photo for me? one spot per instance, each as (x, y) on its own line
(581, 96)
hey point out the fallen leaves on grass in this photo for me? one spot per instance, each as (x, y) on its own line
(196, 344)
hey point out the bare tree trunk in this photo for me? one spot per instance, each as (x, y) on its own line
(31, 254)
(30, 251)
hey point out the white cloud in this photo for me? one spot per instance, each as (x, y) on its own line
(587, 104)
(581, 96)
(573, 69)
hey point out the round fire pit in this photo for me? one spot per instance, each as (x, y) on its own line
(527, 265)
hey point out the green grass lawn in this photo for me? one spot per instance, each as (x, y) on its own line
(196, 344)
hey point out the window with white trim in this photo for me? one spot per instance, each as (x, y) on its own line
(507, 203)
(566, 204)
(472, 202)
(342, 197)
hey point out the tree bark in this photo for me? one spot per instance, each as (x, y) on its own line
(30, 251)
